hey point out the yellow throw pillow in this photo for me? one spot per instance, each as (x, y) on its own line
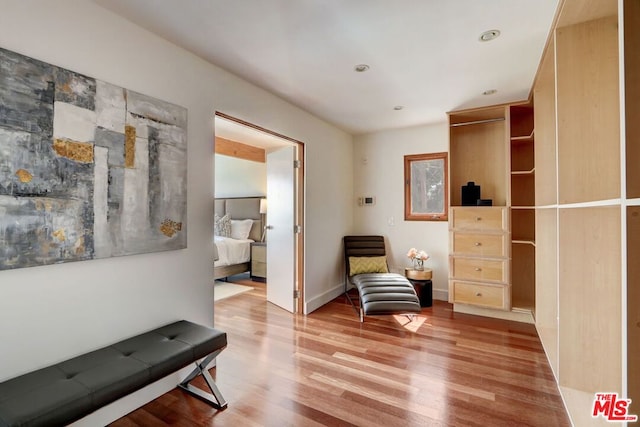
(367, 264)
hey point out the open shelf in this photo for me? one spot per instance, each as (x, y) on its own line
(523, 268)
(523, 139)
(522, 155)
(523, 213)
(523, 189)
(523, 225)
(477, 116)
(521, 118)
(527, 172)
(524, 242)
(477, 139)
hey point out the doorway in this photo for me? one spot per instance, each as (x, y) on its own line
(284, 196)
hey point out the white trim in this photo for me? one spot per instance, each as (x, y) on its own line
(632, 202)
(441, 294)
(557, 237)
(517, 315)
(608, 202)
(623, 194)
(322, 299)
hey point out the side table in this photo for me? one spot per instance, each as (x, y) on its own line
(258, 270)
(421, 281)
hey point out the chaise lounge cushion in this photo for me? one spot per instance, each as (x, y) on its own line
(386, 293)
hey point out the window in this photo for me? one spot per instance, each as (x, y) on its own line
(425, 187)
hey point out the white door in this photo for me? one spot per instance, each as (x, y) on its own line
(280, 228)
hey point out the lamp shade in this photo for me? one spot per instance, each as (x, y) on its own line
(263, 206)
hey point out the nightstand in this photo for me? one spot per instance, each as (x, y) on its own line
(259, 261)
(421, 281)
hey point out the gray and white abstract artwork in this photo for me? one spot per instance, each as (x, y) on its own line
(87, 169)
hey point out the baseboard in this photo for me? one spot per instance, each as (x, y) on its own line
(579, 406)
(320, 300)
(441, 294)
(515, 315)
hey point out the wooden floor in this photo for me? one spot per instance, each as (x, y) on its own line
(442, 369)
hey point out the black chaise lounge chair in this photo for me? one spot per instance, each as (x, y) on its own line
(379, 292)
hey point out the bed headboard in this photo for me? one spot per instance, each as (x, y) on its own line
(242, 208)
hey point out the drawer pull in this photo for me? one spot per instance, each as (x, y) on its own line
(478, 244)
(478, 269)
(478, 218)
(478, 294)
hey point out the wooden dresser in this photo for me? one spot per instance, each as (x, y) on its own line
(492, 239)
(479, 260)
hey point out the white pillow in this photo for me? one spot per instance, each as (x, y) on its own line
(240, 228)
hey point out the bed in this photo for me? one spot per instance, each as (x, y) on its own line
(233, 253)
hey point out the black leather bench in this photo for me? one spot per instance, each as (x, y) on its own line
(69, 390)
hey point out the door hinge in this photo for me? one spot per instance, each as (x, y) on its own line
(297, 229)
(296, 164)
(296, 293)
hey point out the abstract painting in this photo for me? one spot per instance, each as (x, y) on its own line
(87, 169)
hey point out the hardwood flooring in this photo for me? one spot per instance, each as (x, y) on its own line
(327, 369)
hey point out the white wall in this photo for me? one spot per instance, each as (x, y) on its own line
(50, 313)
(378, 164)
(239, 178)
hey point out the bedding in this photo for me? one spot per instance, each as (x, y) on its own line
(232, 251)
(240, 228)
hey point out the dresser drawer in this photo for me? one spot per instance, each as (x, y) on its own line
(480, 295)
(479, 219)
(479, 269)
(485, 245)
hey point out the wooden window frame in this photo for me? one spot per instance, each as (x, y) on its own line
(409, 215)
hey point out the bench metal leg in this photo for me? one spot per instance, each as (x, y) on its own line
(358, 308)
(216, 400)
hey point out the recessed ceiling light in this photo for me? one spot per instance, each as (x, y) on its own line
(489, 92)
(489, 35)
(361, 68)
(398, 107)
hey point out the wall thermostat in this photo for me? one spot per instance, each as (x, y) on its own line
(366, 201)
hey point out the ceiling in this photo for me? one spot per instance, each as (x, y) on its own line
(235, 131)
(424, 55)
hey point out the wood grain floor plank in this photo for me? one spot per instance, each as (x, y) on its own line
(328, 369)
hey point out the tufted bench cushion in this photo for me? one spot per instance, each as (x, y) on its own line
(69, 390)
(386, 293)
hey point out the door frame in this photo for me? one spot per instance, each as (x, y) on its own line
(300, 202)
